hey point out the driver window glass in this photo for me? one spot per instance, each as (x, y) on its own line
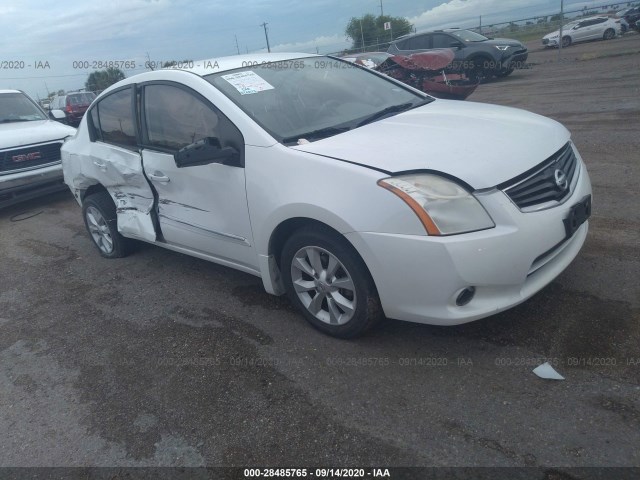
(443, 41)
(176, 118)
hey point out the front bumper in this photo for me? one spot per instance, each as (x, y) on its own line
(419, 277)
(20, 186)
(516, 60)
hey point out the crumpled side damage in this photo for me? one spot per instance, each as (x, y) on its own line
(122, 174)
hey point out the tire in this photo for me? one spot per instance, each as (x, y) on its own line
(481, 70)
(566, 41)
(99, 213)
(609, 33)
(504, 73)
(344, 311)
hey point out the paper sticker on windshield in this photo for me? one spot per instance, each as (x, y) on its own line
(248, 82)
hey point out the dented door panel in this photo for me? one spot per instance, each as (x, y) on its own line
(119, 170)
(202, 208)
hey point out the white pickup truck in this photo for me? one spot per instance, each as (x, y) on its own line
(29, 149)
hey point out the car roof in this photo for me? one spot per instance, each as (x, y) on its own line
(441, 30)
(596, 17)
(221, 64)
(10, 91)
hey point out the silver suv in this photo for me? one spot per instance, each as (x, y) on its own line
(29, 149)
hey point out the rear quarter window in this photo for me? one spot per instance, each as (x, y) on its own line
(115, 123)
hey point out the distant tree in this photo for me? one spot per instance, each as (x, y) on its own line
(529, 23)
(101, 79)
(371, 29)
(555, 18)
(513, 27)
(542, 20)
(60, 92)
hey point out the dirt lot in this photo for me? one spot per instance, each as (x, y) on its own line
(162, 359)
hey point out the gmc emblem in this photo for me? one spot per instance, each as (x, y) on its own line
(26, 157)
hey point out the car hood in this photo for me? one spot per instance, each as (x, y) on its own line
(26, 133)
(503, 41)
(555, 34)
(482, 145)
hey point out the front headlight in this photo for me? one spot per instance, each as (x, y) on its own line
(502, 47)
(443, 206)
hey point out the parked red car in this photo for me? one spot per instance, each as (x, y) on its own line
(73, 104)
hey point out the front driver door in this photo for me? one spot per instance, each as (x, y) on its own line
(202, 208)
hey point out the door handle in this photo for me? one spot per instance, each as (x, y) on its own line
(159, 177)
(100, 165)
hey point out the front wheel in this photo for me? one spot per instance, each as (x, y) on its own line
(609, 34)
(329, 283)
(566, 41)
(100, 218)
(504, 73)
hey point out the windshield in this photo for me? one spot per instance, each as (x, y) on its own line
(81, 98)
(17, 107)
(308, 99)
(468, 36)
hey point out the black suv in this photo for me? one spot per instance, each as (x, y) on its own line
(630, 15)
(73, 104)
(476, 55)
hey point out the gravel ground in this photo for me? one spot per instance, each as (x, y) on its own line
(160, 359)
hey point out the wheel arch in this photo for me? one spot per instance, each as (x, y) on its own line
(270, 263)
(95, 188)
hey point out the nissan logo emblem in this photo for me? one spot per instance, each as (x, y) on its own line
(561, 179)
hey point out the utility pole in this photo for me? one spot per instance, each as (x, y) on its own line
(381, 11)
(266, 35)
(237, 47)
(560, 34)
(362, 35)
(480, 24)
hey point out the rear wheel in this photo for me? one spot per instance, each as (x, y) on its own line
(609, 34)
(329, 283)
(100, 218)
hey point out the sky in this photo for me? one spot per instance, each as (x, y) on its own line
(45, 45)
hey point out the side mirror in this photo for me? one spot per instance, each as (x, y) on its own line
(204, 152)
(457, 45)
(57, 115)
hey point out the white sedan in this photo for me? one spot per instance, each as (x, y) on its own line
(592, 28)
(353, 193)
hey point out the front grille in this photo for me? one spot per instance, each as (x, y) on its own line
(551, 181)
(29, 157)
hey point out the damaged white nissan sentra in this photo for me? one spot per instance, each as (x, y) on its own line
(355, 194)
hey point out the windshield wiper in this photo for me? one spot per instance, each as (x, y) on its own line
(317, 134)
(389, 110)
(11, 120)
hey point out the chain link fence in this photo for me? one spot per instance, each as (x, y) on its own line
(523, 29)
(536, 27)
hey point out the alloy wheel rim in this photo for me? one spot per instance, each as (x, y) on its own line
(323, 285)
(99, 230)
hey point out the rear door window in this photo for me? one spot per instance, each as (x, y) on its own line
(115, 119)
